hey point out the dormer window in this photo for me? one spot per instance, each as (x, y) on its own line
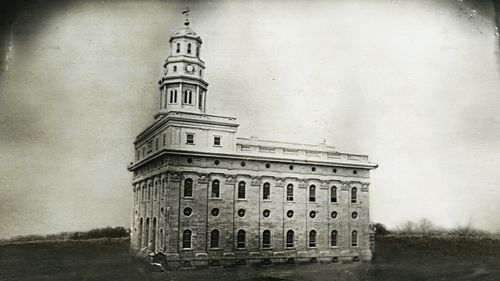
(189, 48)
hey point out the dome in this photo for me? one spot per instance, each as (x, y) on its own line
(185, 31)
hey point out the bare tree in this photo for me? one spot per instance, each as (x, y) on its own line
(425, 227)
(407, 228)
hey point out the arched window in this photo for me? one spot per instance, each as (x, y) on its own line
(266, 239)
(312, 193)
(333, 194)
(189, 48)
(289, 239)
(240, 239)
(215, 189)
(289, 192)
(139, 236)
(178, 49)
(156, 188)
(186, 239)
(312, 238)
(160, 243)
(214, 239)
(200, 100)
(354, 195)
(333, 239)
(354, 238)
(266, 192)
(188, 188)
(241, 190)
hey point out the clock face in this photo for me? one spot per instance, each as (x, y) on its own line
(189, 68)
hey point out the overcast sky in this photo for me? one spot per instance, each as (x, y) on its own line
(413, 84)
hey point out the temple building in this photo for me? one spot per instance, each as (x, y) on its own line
(204, 196)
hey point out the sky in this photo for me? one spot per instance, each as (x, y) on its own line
(413, 84)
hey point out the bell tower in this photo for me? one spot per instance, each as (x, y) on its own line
(182, 87)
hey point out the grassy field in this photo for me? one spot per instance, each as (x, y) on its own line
(396, 258)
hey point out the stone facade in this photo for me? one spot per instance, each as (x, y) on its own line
(203, 196)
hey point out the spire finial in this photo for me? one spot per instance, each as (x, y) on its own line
(186, 12)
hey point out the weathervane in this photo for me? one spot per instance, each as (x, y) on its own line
(186, 12)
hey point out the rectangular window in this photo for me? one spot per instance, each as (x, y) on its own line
(200, 100)
(190, 139)
(164, 139)
(150, 146)
(217, 141)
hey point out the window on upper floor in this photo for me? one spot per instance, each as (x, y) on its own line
(333, 238)
(312, 238)
(289, 192)
(333, 194)
(214, 238)
(312, 193)
(215, 189)
(164, 139)
(354, 195)
(175, 68)
(157, 143)
(217, 140)
(241, 190)
(190, 94)
(354, 238)
(178, 49)
(266, 191)
(188, 188)
(200, 100)
(189, 138)
(186, 239)
(197, 51)
(289, 239)
(189, 48)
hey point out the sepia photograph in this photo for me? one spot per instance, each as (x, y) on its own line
(344, 140)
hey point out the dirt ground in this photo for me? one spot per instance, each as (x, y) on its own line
(396, 259)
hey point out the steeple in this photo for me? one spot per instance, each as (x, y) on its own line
(182, 87)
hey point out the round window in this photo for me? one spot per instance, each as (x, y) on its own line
(335, 171)
(313, 169)
(266, 213)
(241, 212)
(215, 212)
(188, 211)
(190, 160)
(243, 164)
(268, 165)
(355, 172)
(354, 215)
(334, 215)
(290, 167)
(216, 162)
(289, 213)
(312, 214)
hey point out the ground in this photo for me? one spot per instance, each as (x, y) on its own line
(396, 259)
